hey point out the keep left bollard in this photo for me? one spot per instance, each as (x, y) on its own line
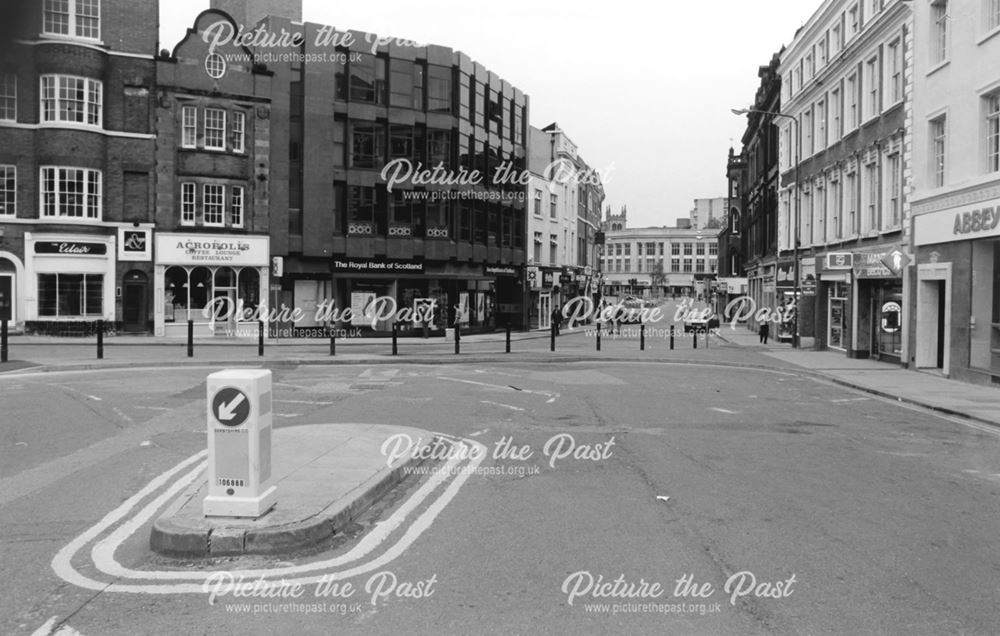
(240, 483)
(190, 338)
(100, 339)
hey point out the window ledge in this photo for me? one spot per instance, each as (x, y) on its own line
(938, 66)
(989, 35)
(71, 39)
(72, 125)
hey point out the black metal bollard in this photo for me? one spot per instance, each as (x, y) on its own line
(3, 341)
(552, 337)
(100, 339)
(333, 342)
(642, 337)
(706, 337)
(671, 337)
(395, 335)
(458, 338)
(190, 338)
(695, 332)
(598, 336)
(260, 337)
(507, 350)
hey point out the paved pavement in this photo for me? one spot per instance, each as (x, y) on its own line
(981, 403)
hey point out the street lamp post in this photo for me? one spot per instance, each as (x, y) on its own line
(795, 239)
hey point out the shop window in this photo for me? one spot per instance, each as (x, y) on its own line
(71, 193)
(71, 99)
(74, 18)
(70, 295)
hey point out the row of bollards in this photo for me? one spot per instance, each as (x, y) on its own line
(553, 332)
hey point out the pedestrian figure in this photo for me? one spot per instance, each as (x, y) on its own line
(556, 320)
(764, 332)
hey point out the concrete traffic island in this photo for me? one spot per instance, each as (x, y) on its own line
(326, 475)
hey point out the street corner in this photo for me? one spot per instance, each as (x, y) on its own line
(325, 476)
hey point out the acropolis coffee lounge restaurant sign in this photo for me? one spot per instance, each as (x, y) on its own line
(209, 249)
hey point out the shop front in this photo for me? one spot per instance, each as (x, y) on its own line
(957, 300)
(424, 298)
(543, 283)
(833, 300)
(877, 299)
(69, 282)
(217, 281)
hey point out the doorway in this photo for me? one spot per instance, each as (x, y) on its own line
(134, 303)
(933, 317)
(544, 311)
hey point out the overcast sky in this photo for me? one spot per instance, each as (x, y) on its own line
(644, 89)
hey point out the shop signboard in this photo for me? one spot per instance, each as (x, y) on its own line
(500, 270)
(375, 266)
(212, 249)
(71, 248)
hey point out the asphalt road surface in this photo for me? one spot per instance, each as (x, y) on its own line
(639, 498)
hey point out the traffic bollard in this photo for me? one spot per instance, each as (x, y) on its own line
(260, 337)
(100, 339)
(706, 337)
(190, 338)
(642, 337)
(598, 336)
(458, 338)
(395, 335)
(695, 333)
(552, 337)
(671, 337)
(3, 341)
(507, 350)
(333, 342)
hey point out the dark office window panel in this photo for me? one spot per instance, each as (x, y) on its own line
(465, 214)
(480, 104)
(368, 80)
(401, 142)
(464, 156)
(439, 147)
(367, 145)
(339, 143)
(360, 209)
(439, 95)
(406, 84)
(465, 97)
(507, 228)
(339, 208)
(479, 223)
(519, 229)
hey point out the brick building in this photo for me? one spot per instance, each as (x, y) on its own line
(76, 166)
(213, 183)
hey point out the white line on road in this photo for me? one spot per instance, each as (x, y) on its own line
(95, 398)
(287, 414)
(549, 394)
(726, 411)
(303, 402)
(46, 629)
(859, 399)
(103, 552)
(153, 408)
(506, 406)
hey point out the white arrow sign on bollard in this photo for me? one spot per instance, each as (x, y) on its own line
(239, 444)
